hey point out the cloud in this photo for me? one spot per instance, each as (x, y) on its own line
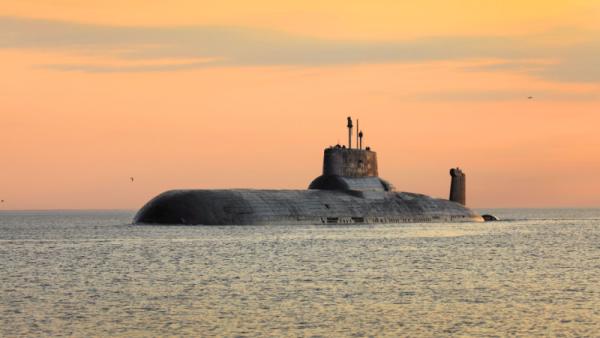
(235, 45)
(242, 46)
(579, 63)
(504, 95)
(527, 66)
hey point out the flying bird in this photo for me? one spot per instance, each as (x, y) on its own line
(529, 97)
(131, 178)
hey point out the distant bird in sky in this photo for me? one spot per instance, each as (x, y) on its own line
(131, 178)
(1, 201)
(530, 97)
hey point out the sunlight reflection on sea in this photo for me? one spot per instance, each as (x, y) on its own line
(93, 274)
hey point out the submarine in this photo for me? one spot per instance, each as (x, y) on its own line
(349, 191)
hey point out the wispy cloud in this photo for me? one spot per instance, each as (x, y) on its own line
(242, 46)
(504, 95)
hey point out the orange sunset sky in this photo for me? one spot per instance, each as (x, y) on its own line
(246, 94)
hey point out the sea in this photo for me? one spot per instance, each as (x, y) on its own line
(91, 273)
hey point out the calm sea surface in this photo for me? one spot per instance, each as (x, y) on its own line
(93, 274)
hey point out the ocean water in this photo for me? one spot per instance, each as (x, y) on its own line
(76, 273)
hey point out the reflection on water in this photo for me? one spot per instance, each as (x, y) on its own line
(91, 274)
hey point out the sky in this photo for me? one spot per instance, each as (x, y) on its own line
(240, 94)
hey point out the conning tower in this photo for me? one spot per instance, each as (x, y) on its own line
(350, 169)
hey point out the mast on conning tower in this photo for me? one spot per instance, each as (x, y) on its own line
(357, 134)
(360, 136)
(349, 132)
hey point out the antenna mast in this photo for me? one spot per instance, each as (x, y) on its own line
(349, 132)
(360, 136)
(357, 134)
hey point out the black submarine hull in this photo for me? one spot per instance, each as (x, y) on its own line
(349, 191)
(298, 207)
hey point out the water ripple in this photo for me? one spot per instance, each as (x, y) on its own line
(91, 274)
